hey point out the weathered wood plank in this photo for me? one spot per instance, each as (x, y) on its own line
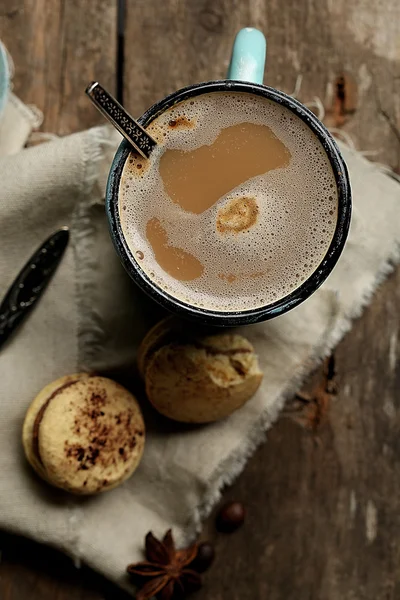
(58, 47)
(175, 43)
(322, 508)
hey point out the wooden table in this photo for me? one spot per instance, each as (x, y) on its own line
(323, 501)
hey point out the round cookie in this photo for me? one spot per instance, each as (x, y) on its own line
(168, 329)
(84, 433)
(197, 379)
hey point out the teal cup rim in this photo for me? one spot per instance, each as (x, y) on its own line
(294, 298)
(4, 78)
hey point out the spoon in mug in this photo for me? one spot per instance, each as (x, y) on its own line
(112, 110)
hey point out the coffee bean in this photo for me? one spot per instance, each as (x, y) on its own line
(231, 517)
(204, 558)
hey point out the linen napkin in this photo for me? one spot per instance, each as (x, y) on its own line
(93, 317)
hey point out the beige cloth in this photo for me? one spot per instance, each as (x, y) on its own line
(16, 125)
(93, 317)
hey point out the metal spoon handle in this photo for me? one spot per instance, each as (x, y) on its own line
(31, 282)
(117, 115)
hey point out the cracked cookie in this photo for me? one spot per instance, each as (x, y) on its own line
(197, 378)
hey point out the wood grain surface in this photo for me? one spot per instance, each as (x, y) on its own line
(322, 500)
(58, 47)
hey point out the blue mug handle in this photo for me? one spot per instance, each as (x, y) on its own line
(248, 56)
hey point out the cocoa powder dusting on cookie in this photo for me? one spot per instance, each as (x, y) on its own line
(109, 436)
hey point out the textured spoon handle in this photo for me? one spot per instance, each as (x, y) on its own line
(122, 121)
(31, 282)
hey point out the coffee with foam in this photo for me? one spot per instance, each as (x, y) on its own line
(235, 208)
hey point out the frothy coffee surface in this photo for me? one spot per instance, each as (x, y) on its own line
(236, 206)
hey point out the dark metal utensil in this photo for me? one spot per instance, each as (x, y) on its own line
(31, 282)
(112, 110)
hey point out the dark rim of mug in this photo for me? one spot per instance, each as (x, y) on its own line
(225, 318)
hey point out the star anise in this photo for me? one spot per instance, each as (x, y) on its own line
(165, 573)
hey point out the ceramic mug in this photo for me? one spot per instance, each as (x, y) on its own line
(245, 75)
